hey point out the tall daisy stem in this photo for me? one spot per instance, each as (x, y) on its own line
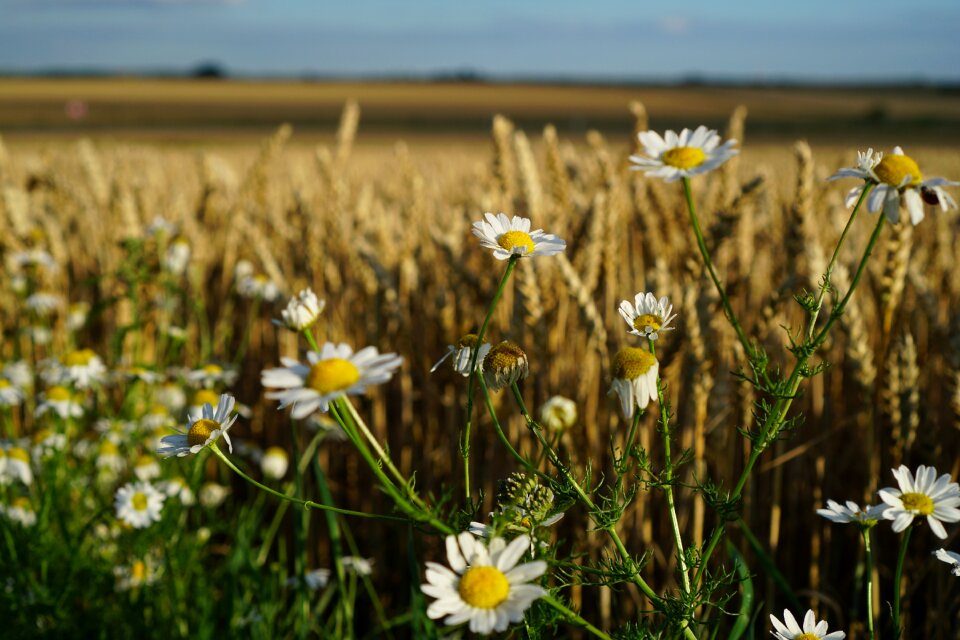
(306, 504)
(770, 428)
(500, 434)
(869, 553)
(898, 580)
(668, 477)
(573, 617)
(465, 436)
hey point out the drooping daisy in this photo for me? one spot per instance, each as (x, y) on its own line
(274, 463)
(836, 512)
(484, 585)
(333, 372)
(951, 558)
(59, 400)
(357, 565)
(512, 237)
(812, 630)
(177, 257)
(635, 373)
(77, 315)
(18, 465)
(258, 287)
(302, 310)
(178, 487)
(10, 394)
(897, 180)
(21, 511)
(202, 430)
(138, 504)
(558, 413)
(923, 495)
(212, 374)
(505, 364)
(462, 353)
(82, 368)
(682, 156)
(647, 316)
(212, 494)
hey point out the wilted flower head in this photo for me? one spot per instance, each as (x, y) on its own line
(505, 364)
(951, 558)
(851, 512)
(635, 373)
(302, 310)
(462, 353)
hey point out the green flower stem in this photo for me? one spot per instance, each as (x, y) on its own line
(592, 507)
(336, 547)
(628, 444)
(869, 552)
(573, 617)
(301, 521)
(308, 334)
(708, 263)
(825, 285)
(416, 510)
(668, 477)
(253, 313)
(771, 426)
(465, 436)
(898, 577)
(500, 434)
(306, 504)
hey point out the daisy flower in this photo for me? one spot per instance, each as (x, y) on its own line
(137, 574)
(44, 304)
(18, 373)
(138, 504)
(82, 369)
(898, 180)
(200, 398)
(77, 315)
(836, 512)
(178, 487)
(357, 565)
(647, 316)
(18, 465)
(61, 401)
(212, 374)
(146, 468)
(10, 394)
(171, 395)
(203, 429)
(812, 630)
(923, 495)
(32, 259)
(558, 413)
(462, 352)
(512, 237)
(302, 310)
(21, 512)
(258, 287)
(212, 494)
(333, 372)
(951, 558)
(504, 364)
(634, 379)
(682, 156)
(177, 257)
(109, 459)
(484, 585)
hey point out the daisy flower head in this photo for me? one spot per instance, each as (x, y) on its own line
(59, 400)
(647, 316)
(82, 368)
(811, 630)
(138, 504)
(558, 413)
(138, 574)
(274, 463)
(334, 372)
(462, 353)
(897, 181)
(635, 373)
(257, 287)
(21, 511)
(10, 394)
(509, 237)
(851, 512)
(200, 398)
(202, 430)
(44, 304)
(504, 364)
(212, 494)
(178, 487)
(357, 565)
(951, 558)
(302, 310)
(922, 495)
(146, 468)
(18, 373)
(682, 155)
(212, 374)
(484, 585)
(18, 465)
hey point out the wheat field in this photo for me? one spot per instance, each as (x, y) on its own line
(381, 230)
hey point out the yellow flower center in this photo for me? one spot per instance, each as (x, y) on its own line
(513, 239)
(23, 503)
(205, 396)
(79, 358)
(107, 448)
(41, 435)
(648, 320)
(58, 394)
(504, 357)
(145, 461)
(918, 502)
(18, 453)
(631, 362)
(468, 340)
(332, 375)
(893, 169)
(213, 369)
(138, 571)
(139, 501)
(201, 430)
(484, 587)
(683, 157)
(3, 383)
(807, 636)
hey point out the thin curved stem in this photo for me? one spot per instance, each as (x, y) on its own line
(500, 434)
(869, 552)
(307, 504)
(898, 582)
(573, 617)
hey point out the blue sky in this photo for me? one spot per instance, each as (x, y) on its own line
(752, 40)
